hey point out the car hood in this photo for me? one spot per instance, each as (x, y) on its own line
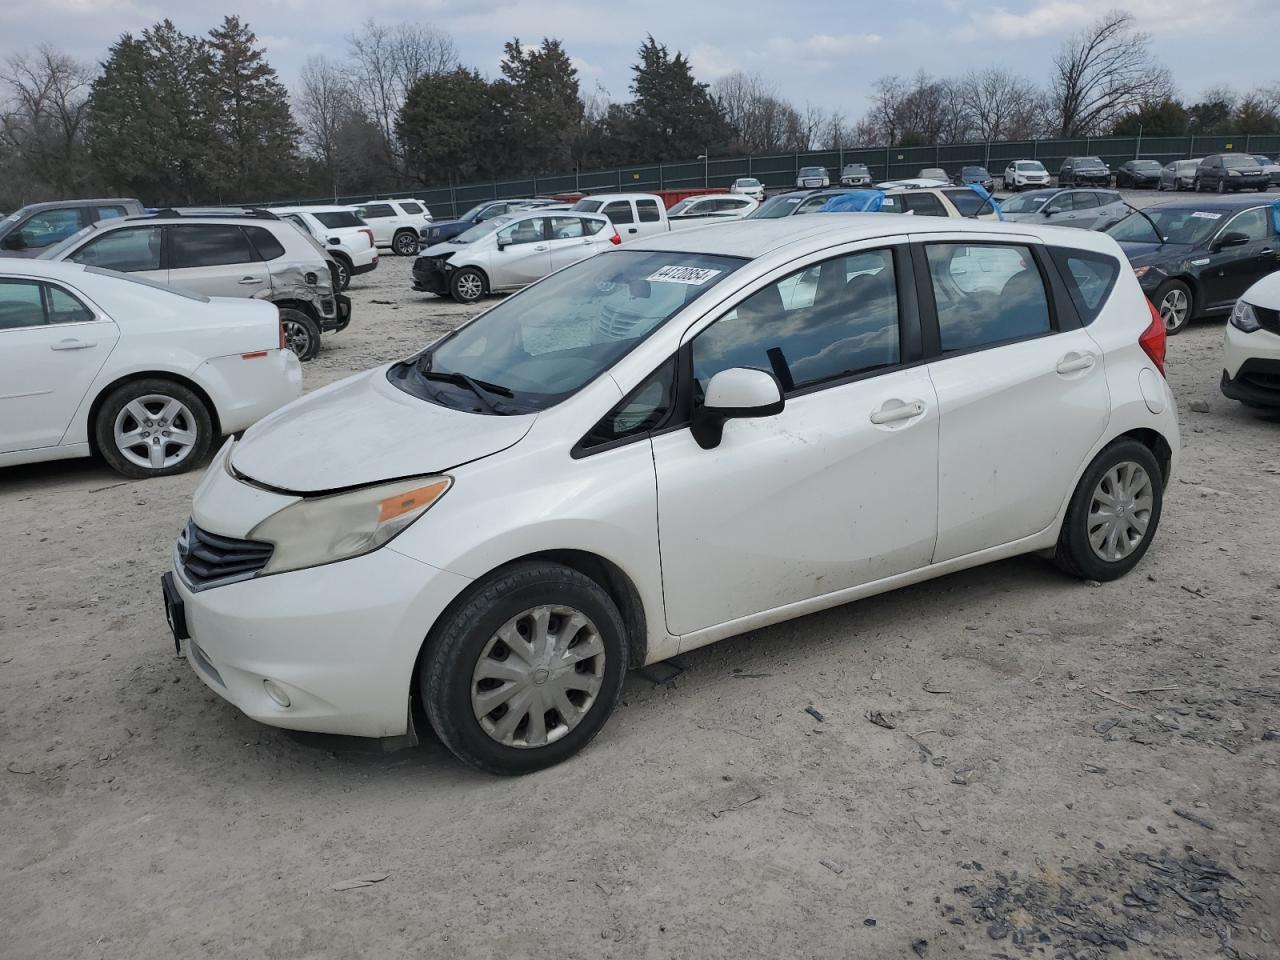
(443, 250)
(1140, 254)
(1264, 293)
(363, 430)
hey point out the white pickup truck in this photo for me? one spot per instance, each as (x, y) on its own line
(634, 215)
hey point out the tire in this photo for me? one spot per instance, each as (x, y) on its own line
(405, 243)
(467, 285)
(1222, 185)
(343, 269)
(1125, 470)
(1262, 189)
(301, 333)
(1175, 321)
(1197, 186)
(149, 410)
(467, 638)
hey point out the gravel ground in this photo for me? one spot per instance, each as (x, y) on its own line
(1052, 769)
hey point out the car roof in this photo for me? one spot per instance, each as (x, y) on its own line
(1213, 202)
(51, 204)
(326, 208)
(623, 196)
(752, 239)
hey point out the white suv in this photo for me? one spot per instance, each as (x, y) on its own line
(340, 231)
(679, 440)
(1024, 174)
(395, 223)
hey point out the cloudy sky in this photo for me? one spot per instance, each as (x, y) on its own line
(822, 51)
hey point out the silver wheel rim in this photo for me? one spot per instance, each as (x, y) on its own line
(470, 287)
(538, 676)
(342, 274)
(1173, 309)
(155, 432)
(297, 337)
(1120, 511)
(406, 245)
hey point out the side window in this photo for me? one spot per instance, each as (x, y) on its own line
(1084, 200)
(566, 228)
(21, 304)
(265, 243)
(110, 213)
(62, 307)
(619, 211)
(376, 211)
(924, 205)
(891, 204)
(591, 227)
(523, 231)
(968, 202)
(1252, 223)
(825, 322)
(1090, 277)
(986, 293)
(208, 245)
(48, 227)
(410, 208)
(648, 210)
(488, 213)
(127, 250)
(640, 411)
(298, 222)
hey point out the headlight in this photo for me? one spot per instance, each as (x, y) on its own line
(1244, 319)
(323, 529)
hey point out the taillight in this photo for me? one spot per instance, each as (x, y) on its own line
(615, 239)
(368, 233)
(282, 339)
(1154, 338)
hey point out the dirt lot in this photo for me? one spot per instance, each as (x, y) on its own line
(1071, 769)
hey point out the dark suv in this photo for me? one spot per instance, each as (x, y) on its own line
(1230, 171)
(38, 226)
(1084, 172)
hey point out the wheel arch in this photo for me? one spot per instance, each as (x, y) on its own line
(1154, 441)
(291, 304)
(128, 378)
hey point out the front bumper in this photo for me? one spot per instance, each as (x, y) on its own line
(1257, 382)
(430, 276)
(340, 640)
(1251, 361)
(1092, 179)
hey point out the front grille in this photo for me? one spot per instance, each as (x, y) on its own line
(208, 558)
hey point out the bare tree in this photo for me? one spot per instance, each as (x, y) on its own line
(42, 119)
(326, 106)
(1104, 72)
(999, 105)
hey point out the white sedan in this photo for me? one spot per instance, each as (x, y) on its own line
(687, 438)
(511, 251)
(143, 375)
(1251, 361)
(710, 208)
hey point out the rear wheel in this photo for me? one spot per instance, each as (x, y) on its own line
(1222, 185)
(153, 428)
(301, 333)
(1113, 513)
(405, 243)
(1174, 302)
(524, 672)
(467, 285)
(343, 271)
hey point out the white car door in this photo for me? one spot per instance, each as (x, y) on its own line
(382, 219)
(52, 346)
(216, 260)
(650, 216)
(135, 249)
(522, 254)
(570, 240)
(837, 490)
(1022, 397)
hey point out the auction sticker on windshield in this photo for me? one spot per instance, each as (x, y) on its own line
(1205, 215)
(692, 276)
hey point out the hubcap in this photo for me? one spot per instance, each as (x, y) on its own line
(155, 432)
(470, 287)
(1173, 309)
(296, 337)
(407, 245)
(1120, 511)
(538, 676)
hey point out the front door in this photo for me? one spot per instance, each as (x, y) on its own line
(1232, 270)
(135, 249)
(1020, 402)
(837, 490)
(51, 347)
(523, 254)
(215, 260)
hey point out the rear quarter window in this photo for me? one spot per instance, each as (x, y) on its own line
(1089, 277)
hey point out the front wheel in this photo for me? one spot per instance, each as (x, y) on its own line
(301, 333)
(342, 273)
(1174, 302)
(153, 428)
(1222, 185)
(405, 243)
(524, 672)
(1113, 513)
(467, 285)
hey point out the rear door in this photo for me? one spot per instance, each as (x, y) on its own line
(52, 345)
(1233, 270)
(381, 218)
(569, 240)
(1022, 397)
(216, 260)
(650, 216)
(623, 216)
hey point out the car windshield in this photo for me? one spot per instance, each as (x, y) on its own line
(481, 229)
(851, 168)
(1024, 202)
(1262, 161)
(974, 172)
(1184, 225)
(1030, 166)
(1188, 165)
(336, 219)
(681, 207)
(811, 171)
(475, 211)
(748, 182)
(536, 348)
(588, 206)
(774, 207)
(1239, 163)
(57, 250)
(1151, 166)
(1088, 163)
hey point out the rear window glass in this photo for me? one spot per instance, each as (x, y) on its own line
(968, 202)
(1089, 277)
(339, 218)
(377, 210)
(265, 242)
(410, 207)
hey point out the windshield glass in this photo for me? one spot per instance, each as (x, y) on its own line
(974, 172)
(1151, 165)
(1088, 163)
(748, 182)
(1239, 163)
(475, 211)
(774, 207)
(336, 219)
(1024, 202)
(588, 206)
(482, 229)
(855, 168)
(811, 171)
(536, 348)
(1184, 225)
(1030, 166)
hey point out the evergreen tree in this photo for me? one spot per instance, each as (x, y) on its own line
(451, 127)
(544, 109)
(254, 136)
(673, 116)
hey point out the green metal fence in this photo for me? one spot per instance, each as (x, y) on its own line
(885, 163)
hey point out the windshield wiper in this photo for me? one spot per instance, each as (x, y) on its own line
(478, 387)
(1154, 228)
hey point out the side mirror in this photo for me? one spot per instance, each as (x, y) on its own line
(737, 393)
(502, 244)
(1231, 239)
(15, 241)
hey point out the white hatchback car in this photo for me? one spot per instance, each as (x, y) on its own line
(671, 443)
(1251, 361)
(510, 252)
(143, 375)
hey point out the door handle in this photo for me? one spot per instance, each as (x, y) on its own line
(631, 229)
(895, 410)
(1075, 362)
(540, 247)
(71, 344)
(250, 279)
(1266, 251)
